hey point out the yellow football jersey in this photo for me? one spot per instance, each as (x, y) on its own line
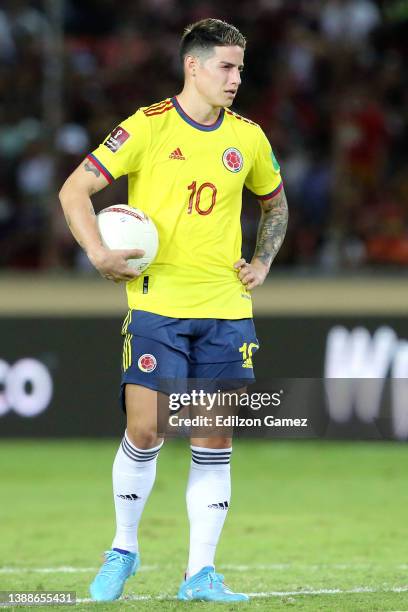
(188, 178)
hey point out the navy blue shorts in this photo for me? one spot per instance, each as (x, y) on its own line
(162, 353)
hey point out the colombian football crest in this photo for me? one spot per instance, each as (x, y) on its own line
(147, 363)
(232, 159)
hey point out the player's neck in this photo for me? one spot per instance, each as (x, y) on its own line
(198, 109)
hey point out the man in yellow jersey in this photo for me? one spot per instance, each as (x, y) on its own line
(187, 159)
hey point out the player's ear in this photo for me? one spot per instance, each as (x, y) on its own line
(190, 65)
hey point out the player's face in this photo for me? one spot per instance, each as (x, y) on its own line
(218, 77)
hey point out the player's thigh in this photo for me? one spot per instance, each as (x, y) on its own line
(141, 415)
(221, 437)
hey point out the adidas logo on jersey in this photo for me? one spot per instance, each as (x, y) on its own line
(176, 154)
(220, 505)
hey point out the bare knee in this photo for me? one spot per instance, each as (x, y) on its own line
(215, 442)
(141, 411)
(143, 438)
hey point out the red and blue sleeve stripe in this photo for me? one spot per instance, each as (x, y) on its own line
(100, 167)
(273, 193)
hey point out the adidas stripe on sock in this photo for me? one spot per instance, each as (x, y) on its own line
(210, 456)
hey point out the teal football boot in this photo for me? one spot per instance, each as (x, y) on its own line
(207, 585)
(110, 580)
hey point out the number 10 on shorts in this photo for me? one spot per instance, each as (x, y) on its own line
(247, 350)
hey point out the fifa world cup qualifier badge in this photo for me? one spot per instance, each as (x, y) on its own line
(232, 159)
(116, 139)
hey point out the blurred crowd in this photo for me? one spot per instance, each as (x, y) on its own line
(326, 79)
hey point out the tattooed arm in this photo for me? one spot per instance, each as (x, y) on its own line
(75, 198)
(272, 228)
(271, 232)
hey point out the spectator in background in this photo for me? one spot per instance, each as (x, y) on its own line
(349, 22)
(331, 92)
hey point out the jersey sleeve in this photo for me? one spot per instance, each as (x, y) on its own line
(264, 178)
(123, 149)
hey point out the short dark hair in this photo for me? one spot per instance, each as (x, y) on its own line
(208, 33)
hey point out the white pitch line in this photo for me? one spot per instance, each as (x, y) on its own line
(264, 594)
(67, 569)
(402, 589)
(308, 566)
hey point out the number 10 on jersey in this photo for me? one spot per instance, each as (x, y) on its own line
(195, 196)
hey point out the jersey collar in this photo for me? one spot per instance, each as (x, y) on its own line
(195, 124)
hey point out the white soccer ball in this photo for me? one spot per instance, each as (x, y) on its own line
(124, 227)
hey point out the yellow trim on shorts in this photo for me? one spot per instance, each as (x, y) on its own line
(127, 352)
(126, 323)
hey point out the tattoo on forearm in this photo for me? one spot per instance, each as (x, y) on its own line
(91, 168)
(272, 228)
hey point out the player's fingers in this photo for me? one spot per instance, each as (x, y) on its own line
(124, 275)
(106, 275)
(252, 284)
(242, 278)
(245, 273)
(130, 274)
(133, 253)
(251, 278)
(112, 277)
(238, 264)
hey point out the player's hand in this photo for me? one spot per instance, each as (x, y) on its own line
(112, 264)
(251, 274)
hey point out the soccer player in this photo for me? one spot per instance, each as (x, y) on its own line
(187, 159)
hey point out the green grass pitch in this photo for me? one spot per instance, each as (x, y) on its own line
(312, 525)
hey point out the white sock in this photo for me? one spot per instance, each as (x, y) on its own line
(134, 472)
(208, 497)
